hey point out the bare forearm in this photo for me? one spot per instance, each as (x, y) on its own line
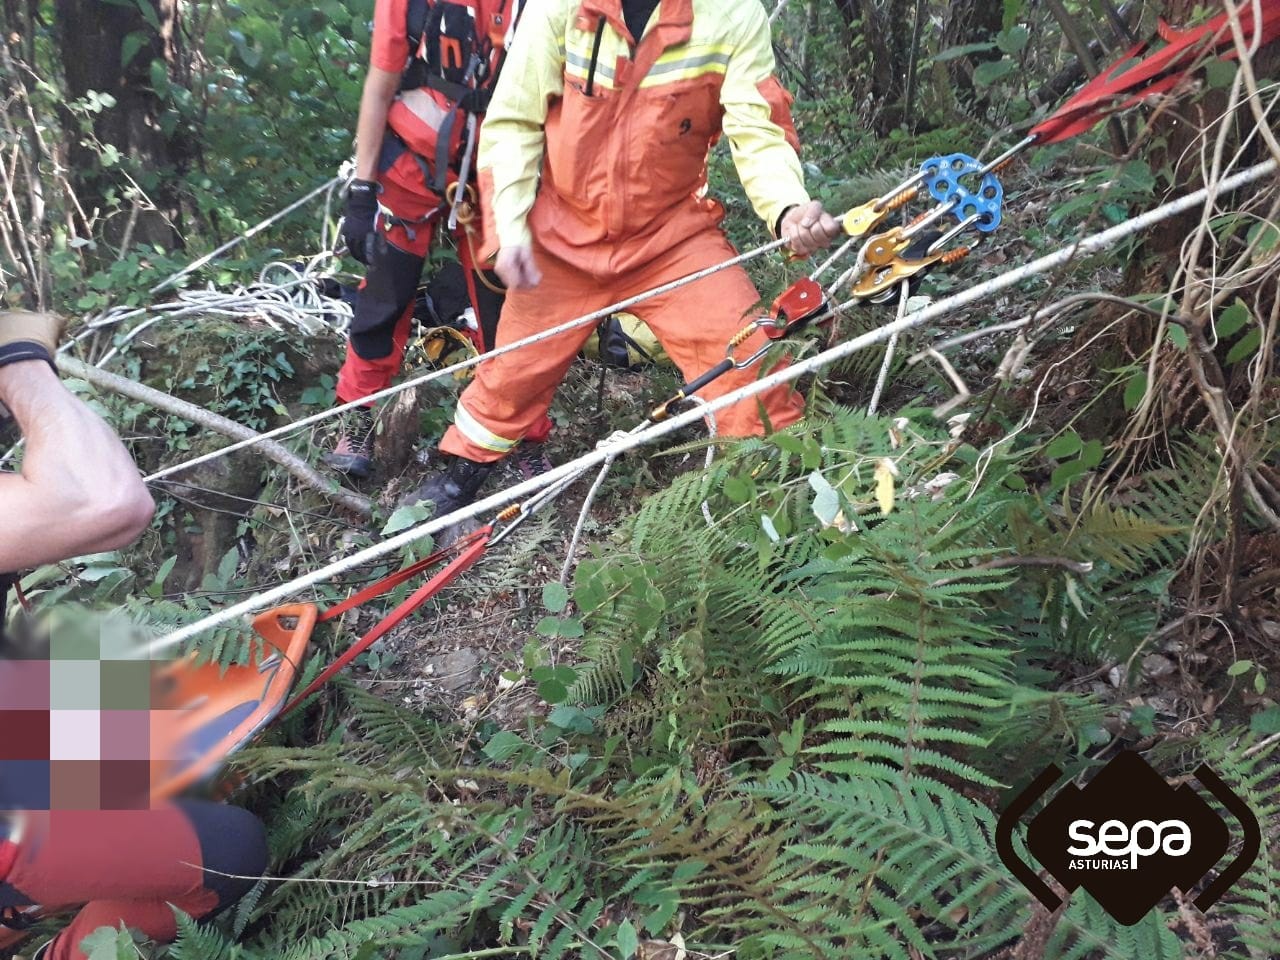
(78, 491)
(379, 90)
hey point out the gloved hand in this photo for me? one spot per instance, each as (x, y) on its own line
(358, 218)
(29, 336)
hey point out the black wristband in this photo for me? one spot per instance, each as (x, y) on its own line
(777, 227)
(23, 350)
(363, 186)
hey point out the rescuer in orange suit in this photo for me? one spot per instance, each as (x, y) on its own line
(593, 178)
(432, 66)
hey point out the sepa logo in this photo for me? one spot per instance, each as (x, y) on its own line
(1115, 839)
(1128, 838)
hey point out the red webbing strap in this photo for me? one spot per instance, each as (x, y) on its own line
(1126, 82)
(474, 550)
(400, 576)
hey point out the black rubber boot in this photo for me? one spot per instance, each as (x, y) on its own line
(353, 454)
(454, 487)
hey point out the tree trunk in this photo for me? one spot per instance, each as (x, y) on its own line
(95, 38)
(885, 29)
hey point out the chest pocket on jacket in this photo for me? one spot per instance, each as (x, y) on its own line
(678, 124)
(577, 142)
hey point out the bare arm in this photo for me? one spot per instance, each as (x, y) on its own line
(78, 492)
(380, 88)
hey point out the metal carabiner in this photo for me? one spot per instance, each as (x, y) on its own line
(954, 232)
(742, 336)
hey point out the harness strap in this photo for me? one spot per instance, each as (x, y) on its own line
(469, 549)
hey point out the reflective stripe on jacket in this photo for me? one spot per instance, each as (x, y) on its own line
(626, 165)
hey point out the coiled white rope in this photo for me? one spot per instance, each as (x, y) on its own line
(609, 451)
(449, 371)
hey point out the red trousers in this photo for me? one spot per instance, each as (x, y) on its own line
(127, 866)
(511, 393)
(384, 306)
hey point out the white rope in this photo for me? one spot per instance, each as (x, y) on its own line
(904, 293)
(777, 10)
(576, 467)
(496, 501)
(296, 302)
(253, 231)
(585, 511)
(449, 371)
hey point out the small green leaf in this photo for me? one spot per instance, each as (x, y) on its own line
(628, 940)
(1143, 720)
(1266, 722)
(555, 597)
(1177, 336)
(227, 566)
(1067, 472)
(1013, 40)
(405, 517)
(553, 691)
(985, 74)
(1135, 390)
(1064, 446)
(1012, 10)
(954, 53)
(736, 489)
(107, 943)
(1219, 73)
(129, 48)
(1263, 237)
(1245, 347)
(502, 746)
(1239, 667)
(1232, 320)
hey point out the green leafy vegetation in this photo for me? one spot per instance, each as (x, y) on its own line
(776, 709)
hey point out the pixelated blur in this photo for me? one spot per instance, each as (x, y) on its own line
(79, 709)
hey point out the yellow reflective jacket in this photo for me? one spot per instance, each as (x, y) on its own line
(621, 146)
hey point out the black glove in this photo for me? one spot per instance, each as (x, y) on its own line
(357, 219)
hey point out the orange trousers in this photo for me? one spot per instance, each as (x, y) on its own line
(511, 393)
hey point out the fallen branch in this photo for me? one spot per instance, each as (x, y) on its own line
(305, 473)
